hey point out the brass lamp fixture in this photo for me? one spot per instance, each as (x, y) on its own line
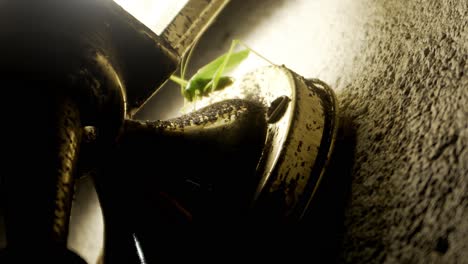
(85, 71)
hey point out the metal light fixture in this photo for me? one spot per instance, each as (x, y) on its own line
(256, 156)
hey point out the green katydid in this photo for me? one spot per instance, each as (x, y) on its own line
(209, 78)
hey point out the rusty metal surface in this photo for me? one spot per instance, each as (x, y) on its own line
(307, 146)
(299, 140)
(207, 179)
(191, 22)
(298, 143)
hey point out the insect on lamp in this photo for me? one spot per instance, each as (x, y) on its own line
(250, 147)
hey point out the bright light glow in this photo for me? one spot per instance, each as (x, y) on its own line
(155, 14)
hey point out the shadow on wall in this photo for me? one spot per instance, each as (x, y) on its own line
(324, 222)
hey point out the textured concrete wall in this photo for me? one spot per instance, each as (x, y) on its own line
(409, 104)
(399, 68)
